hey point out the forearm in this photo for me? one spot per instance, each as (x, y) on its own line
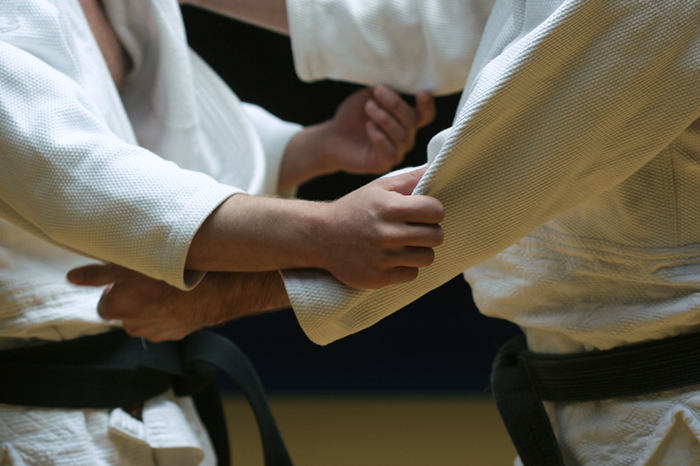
(501, 173)
(252, 234)
(373, 237)
(237, 295)
(269, 14)
(304, 158)
(173, 314)
(152, 309)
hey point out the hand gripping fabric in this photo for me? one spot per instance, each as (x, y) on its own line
(113, 370)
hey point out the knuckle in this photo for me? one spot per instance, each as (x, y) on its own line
(383, 118)
(406, 274)
(381, 209)
(376, 264)
(401, 110)
(440, 236)
(432, 209)
(372, 279)
(106, 310)
(133, 330)
(398, 204)
(386, 238)
(109, 310)
(106, 313)
(439, 210)
(428, 257)
(431, 235)
(386, 95)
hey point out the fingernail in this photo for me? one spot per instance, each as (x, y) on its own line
(372, 107)
(384, 92)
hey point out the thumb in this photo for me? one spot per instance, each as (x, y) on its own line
(93, 275)
(404, 183)
(425, 103)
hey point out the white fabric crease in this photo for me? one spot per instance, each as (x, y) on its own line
(569, 178)
(126, 177)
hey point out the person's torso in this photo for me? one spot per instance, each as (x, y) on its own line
(169, 102)
(624, 266)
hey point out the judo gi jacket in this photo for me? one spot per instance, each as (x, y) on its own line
(124, 176)
(569, 179)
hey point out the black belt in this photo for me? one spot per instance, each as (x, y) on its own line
(521, 379)
(113, 370)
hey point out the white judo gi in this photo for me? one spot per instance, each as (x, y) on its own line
(570, 179)
(125, 178)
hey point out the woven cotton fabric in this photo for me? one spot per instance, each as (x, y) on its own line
(125, 177)
(575, 148)
(87, 173)
(569, 178)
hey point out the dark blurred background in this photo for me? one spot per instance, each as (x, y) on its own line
(439, 344)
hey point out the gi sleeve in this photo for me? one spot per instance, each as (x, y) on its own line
(67, 179)
(583, 94)
(274, 134)
(410, 45)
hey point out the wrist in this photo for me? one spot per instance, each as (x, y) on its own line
(306, 156)
(327, 148)
(303, 239)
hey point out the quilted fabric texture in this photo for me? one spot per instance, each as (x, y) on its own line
(126, 178)
(569, 180)
(574, 152)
